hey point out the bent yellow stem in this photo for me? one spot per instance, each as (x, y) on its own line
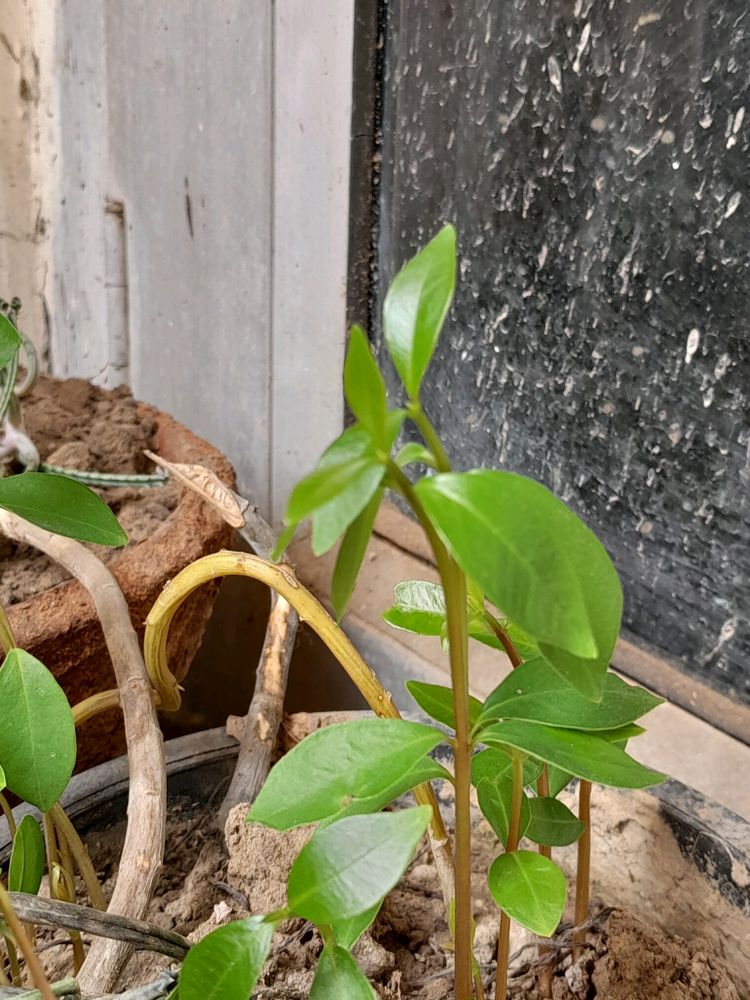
(281, 579)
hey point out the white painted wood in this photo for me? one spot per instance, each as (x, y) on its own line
(312, 125)
(77, 129)
(223, 130)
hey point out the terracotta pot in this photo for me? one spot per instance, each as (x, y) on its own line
(60, 626)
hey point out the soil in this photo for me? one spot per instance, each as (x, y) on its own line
(210, 879)
(81, 426)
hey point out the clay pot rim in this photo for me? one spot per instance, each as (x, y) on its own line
(156, 558)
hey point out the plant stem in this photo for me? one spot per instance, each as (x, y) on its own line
(428, 432)
(281, 579)
(511, 652)
(514, 835)
(545, 975)
(7, 639)
(8, 813)
(32, 959)
(454, 588)
(69, 835)
(68, 894)
(583, 870)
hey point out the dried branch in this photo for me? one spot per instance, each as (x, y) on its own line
(261, 724)
(143, 850)
(143, 935)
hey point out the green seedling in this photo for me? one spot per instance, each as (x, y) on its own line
(500, 541)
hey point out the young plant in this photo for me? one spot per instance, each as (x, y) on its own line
(500, 541)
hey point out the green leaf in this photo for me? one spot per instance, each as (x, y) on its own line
(344, 869)
(347, 768)
(338, 977)
(364, 387)
(492, 763)
(61, 505)
(351, 554)
(2, 779)
(419, 607)
(226, 964)
(27, 858)
(495, 798)
(10, 340)
(557, 779)
(348, 932)
(536, 692)
(531, 889)
(412, 452)
(416, 306)
(480, 629)
(285, 539)
(339, 465)
(551, 823)
(536, 561)
(437, 702)
(38, 738)
(583, 754)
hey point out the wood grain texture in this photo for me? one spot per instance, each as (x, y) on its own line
(594, 159)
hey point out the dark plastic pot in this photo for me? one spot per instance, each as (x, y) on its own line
(670, 856)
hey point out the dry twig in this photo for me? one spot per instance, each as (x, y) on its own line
(143, 935)
(143, 850)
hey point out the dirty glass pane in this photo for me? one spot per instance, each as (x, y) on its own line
(594, 156)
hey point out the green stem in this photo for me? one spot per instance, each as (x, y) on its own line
(454, 587)
(428, 432)
(8, 813)
(514, 835)
(68, 835)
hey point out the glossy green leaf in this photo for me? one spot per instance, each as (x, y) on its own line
(347, 768)
(536, 561)
(437, 702)
(536, 692)
(347, 476)
(551, 823)
(493, 763)
(61, 505)
(338, 465)
(531, 889)
(10, 340)
(351, 553)
(27, 858)
(413, 452)
(481, 630)
(226, 964)
(345, 868)
(557, 779)
(348, 932)
(38, 738)
(582, 754)
(364, 387)
(338, 977)
(495, 797)
(419, 607)
(416, 306)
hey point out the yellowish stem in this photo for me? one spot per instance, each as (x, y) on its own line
(281, 579)
(32, 959)
(8, 813)
(69, 835)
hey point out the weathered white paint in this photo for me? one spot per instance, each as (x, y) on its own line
(22, 212)
(223, 131)
(312, 118)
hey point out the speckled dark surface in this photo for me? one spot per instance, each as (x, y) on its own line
(594, 156)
